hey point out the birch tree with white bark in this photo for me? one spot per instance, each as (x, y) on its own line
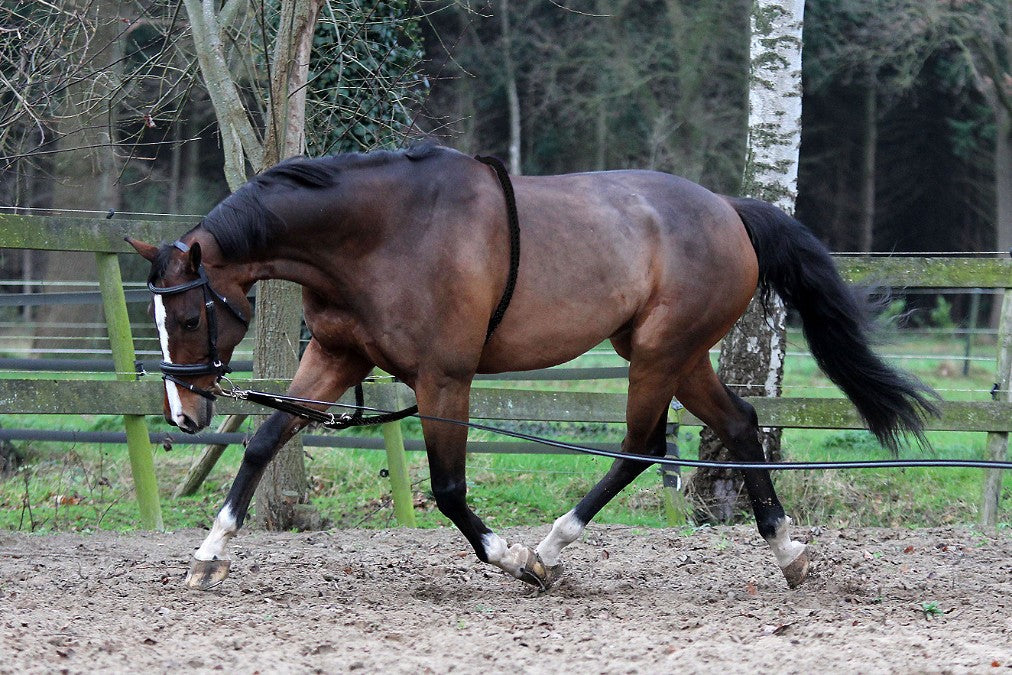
(752, 354)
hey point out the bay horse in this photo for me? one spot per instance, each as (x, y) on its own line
(403, 256)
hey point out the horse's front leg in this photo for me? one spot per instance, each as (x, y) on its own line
(322, 375)
(446, 446)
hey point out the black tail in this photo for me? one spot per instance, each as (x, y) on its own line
(836, 322)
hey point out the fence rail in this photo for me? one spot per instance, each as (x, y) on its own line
(95, 397)
(135, 399)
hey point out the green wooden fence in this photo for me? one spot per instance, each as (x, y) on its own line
(134, 399)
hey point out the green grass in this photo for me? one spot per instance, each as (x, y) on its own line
(84, 487)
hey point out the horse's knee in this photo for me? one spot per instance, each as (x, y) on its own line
(450, 496)
(266, 441)
(258, 455)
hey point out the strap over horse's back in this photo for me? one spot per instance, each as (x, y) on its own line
(514, 225)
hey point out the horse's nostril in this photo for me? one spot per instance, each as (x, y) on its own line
(186, 423)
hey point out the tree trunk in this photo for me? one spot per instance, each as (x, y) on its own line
(175, 167)
(1003, 178)
(751, 358)
(512, 97)
(191, 156)
(25, 197)
(286, 126)
(601, 132)
(1002, 189)
(282, 497)
(238, 138)
(281, 501)
(869, 144)
(605, 90)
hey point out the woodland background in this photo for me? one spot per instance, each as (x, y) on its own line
(905, 130)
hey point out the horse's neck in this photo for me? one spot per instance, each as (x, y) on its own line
(343, 223)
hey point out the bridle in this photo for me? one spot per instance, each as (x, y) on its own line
(214, 365)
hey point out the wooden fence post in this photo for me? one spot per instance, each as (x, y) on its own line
(397, 467)
(400, 481)
(675, 507)
(142, 462)
(997, 442)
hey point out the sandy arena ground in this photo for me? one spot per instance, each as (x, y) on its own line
(632, 601)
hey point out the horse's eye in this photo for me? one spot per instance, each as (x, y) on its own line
(191, 323)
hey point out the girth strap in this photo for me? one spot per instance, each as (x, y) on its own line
(514, 227)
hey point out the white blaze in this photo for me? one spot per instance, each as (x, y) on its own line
(171, 391)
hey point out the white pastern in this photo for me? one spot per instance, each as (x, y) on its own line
(785, 550)
(171, 391)
(565, 531)
(507, 558)
(222, 531)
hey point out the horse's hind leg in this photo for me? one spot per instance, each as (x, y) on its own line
(568, 528)
(735, 423)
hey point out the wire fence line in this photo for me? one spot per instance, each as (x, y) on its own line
(27, 211)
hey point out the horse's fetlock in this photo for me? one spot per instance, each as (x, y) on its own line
(771, 525)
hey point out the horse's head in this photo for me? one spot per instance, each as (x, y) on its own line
(201, 314)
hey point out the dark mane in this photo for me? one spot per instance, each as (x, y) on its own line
(242, 224)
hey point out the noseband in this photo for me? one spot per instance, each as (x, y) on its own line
(214, 365)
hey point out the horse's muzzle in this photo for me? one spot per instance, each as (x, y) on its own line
(193, 421)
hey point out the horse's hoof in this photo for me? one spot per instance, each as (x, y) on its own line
(536, 573)
(206, 574)
(797, 571)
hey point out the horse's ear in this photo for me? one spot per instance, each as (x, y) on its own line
(193, 258)
(147, 251)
